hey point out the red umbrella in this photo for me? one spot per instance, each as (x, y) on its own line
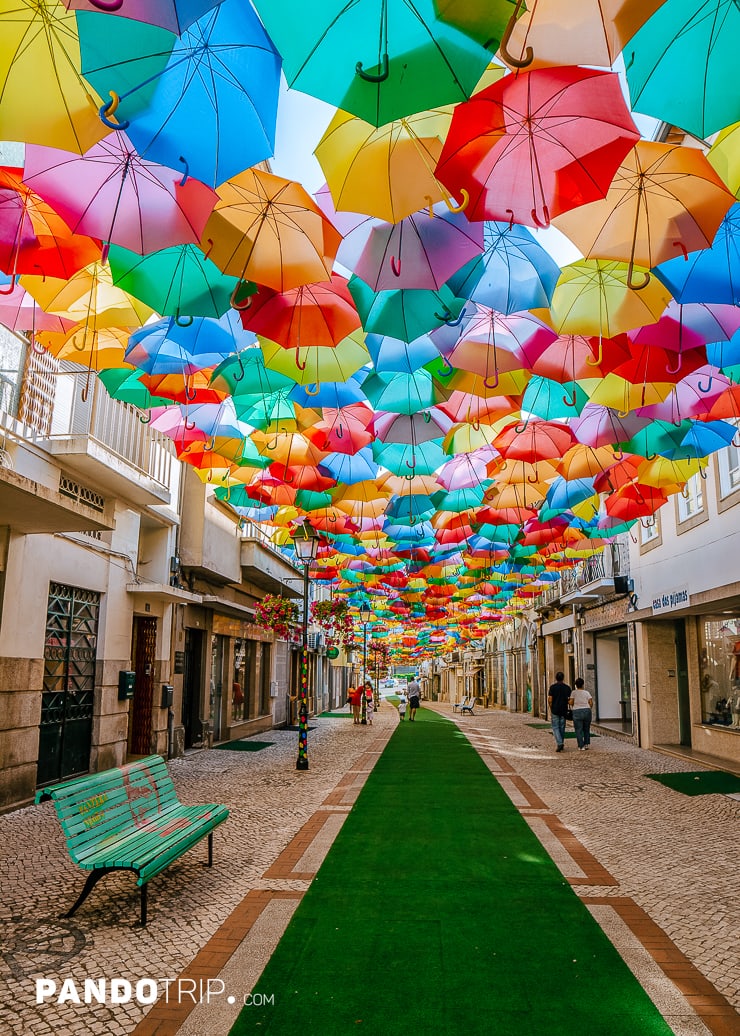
(539, 440)
(537, 144)
(634, 501)
(313, 314)
(580, 357)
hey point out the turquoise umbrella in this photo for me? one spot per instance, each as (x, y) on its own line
(402, 393)
(176, 282)
(405, 459)
(552, 400)
(407, 313)
(682, 65)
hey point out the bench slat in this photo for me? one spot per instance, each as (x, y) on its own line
(135, 846)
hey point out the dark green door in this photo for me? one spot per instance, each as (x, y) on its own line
(682, 682)
(65, 733)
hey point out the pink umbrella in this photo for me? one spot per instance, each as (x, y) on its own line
(693, 396)
(112, 193)
(412, 428)
(19, 311)
(494, 342)
(689, 326)
(419, 251)
(601, 426)
(169, 14)
(467, 470)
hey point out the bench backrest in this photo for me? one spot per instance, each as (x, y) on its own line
(99, 807)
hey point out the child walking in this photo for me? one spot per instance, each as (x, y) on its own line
(402, 706)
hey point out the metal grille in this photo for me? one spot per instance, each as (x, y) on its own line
(75, 491)
(69, 682)
(145, 651)
(38, 390)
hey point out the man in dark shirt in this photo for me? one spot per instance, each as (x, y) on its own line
(557, 699)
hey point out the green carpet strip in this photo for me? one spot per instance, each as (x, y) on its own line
(245, 746)
(699, 782)
(437, 911)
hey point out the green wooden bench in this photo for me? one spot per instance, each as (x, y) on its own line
(129, 818)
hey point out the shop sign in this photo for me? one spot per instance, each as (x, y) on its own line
(671, 600)
(332, 652)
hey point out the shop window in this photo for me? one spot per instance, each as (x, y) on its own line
(650, 534)
(720, 671)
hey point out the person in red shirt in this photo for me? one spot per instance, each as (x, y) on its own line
(355, 699)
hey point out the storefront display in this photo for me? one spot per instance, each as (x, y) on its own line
(720, 671)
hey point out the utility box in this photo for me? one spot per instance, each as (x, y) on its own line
(126, 682)
(168, 695)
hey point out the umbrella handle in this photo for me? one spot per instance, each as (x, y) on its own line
(108, 109)
(188, 425)
(411, 464)
(519, 428)
(631, 283)
(546, 214)
(145, 418)
(700, 387)
(648, 522)
(430, 203)
(11, 286)
(533, 479)
(682, 246)
(448, 371)
(235, 302)
(735, 441)
(446, 318)
(242, 372)
(190, 391)
(339, 432)
(599, 358)
(374, 77)
(621, 414)
(618, 455)
(210, 247)
(396, 266)
(528, 57)
(299, 365)
(107, 5)
(703, 472)
(571, 400)
(671, 370)
(183, 321)
(312, 392)
(511, 218)
(287, 480)
(209, 446)
(186, 174)
(39, 349)
(427, 416)
(487, 383)
(463, 204)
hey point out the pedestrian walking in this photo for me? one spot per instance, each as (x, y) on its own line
(558, 697)
(414, 690)
(402, 703)
(355, 700)
(581, 703)
(369, 704)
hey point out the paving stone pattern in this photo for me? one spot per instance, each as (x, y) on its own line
(674, 856)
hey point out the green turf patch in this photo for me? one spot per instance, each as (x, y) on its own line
(437, 910)
(245, 746)
(699, 782)
(335, 715)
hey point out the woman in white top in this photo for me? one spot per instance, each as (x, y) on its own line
(581, 703)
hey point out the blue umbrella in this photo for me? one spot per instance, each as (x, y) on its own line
(331, 394)
(351, 468)
(703, 438)
(169, 347)
(392, 354)
(404, 459)
(564, 494)
(514, 272)
(211, 106)
(712, 274)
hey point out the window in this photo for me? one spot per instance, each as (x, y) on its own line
(650, 530)
(728, 461)
(690, 503)
(719, 661)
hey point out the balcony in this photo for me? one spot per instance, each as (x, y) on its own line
(105, 442)
(264, 565)
(28, 507)
(594, 578)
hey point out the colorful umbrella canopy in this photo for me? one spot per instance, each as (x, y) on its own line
(312, 314)
(175, 15)
(537, 144)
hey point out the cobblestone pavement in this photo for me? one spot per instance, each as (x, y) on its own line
(656, 868)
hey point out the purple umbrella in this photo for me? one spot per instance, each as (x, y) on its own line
(112, 193)
(174, 15)
(601, 426)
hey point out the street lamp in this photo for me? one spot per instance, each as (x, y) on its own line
(306, 543)
(366, 614)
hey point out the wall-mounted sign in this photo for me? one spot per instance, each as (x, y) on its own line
(332, 652)
(179, 662)
(671, 600)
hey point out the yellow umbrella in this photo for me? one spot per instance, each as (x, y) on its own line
(45, 99)
(89, 297)
(387, 171)
(623, 395)
(724, 156)
(661, 472)
(593, 297)
(317, 363)
(96, 349)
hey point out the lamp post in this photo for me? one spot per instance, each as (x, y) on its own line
(306, 543)
(366, 614)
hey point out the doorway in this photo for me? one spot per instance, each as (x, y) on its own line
(682, 673)
(143, 655)
(191, 685)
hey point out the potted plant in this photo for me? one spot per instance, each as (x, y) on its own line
(277, 614)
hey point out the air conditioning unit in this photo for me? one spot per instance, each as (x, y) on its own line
(623, 585)
(314, 641)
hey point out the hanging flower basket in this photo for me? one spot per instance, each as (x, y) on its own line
(334, 618)
(276, 614)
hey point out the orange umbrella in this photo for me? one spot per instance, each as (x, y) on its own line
(269, 230)
(662, 198)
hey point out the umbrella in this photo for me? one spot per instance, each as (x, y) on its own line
(537, 440)
(573, 358)
(313, 364)
(125, 384)
(33, 236)
(662, 198)
(322, 314)
(681, 65)
(169, 347)
(93, 348)
(711, 274)
(418, 252)
(175, 15)
(113, 194)
(386, 171)
(601, 426)
(177, 281)
(380, 61)
(575, 32)
(402, 393)
(181, 387)
(406, 313)
(40, 57)
(513, 273)
(270, 230)
(492, 343)
(222, 72)
(594, 297)
(724, 156)
(19, 311)
(90, 297)
(537, 144)
(393, 354)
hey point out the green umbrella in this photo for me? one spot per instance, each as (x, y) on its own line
(378, 59)
(681, 65)
(401, 393)
(404, 459)
(407, 313)
(123, 383)
(245, 377)
(174, 281)
(552, 400)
